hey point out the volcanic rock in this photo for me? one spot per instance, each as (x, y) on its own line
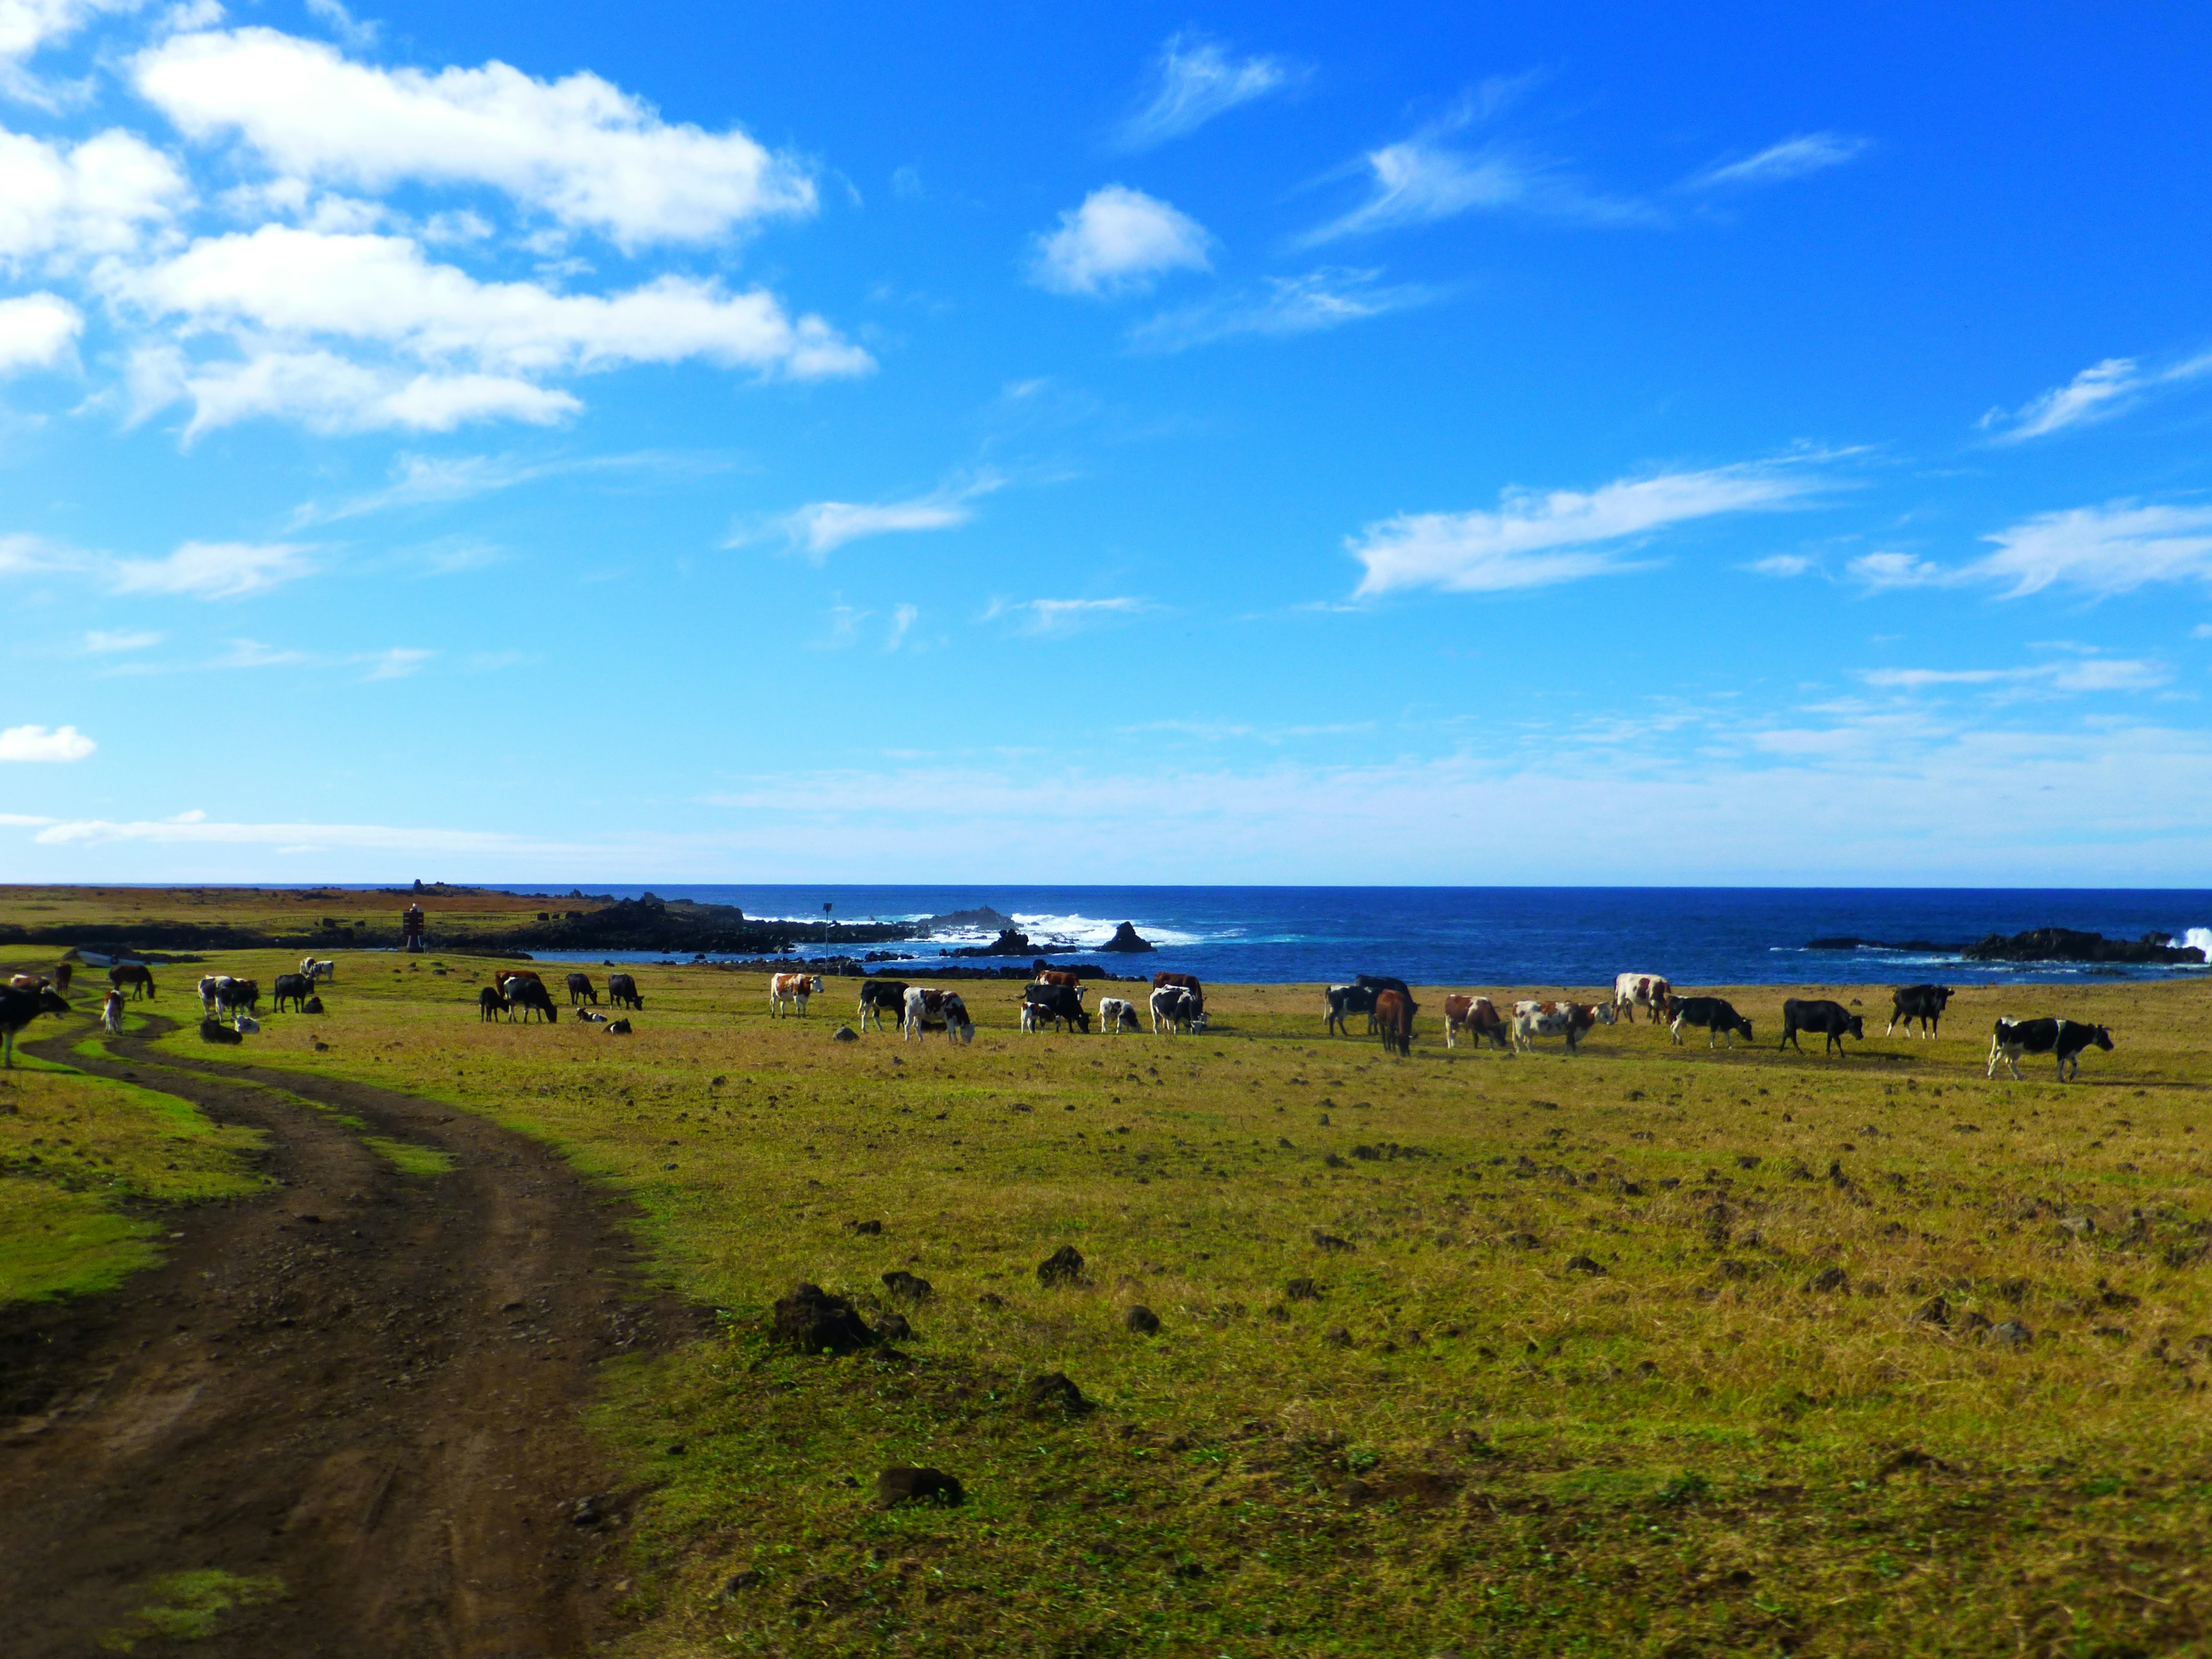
(812, 1321)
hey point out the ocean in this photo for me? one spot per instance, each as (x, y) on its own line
(1475, 936)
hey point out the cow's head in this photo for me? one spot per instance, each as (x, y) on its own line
(2103, 1039)
(1744, 1026)
(50, 1002)
(1942, 995)
(1858, 1027)
(1603, 1013)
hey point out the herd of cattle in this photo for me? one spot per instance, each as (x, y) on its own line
(1053, 1000)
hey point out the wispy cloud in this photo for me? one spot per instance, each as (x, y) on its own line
(101, 641)
(1539, 540)
(1880, 571)
(1048, 616)
(1781, 564)
(819, 528)
(2113, 549)
(2097, 394)
(1792, 158)
(213, 570)
(1195, 79)
(396, 664)
(1325, 298)
(37, 744)
(2075, 675)
(1118, 241)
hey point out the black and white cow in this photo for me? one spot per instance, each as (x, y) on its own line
(880, 997)
(2064, 1038)
(581, 990)
(1717, 1016)
(1117, 1015)
(1345, 1001)
(927, 1007)
(1060, 1003)
(1922, 1002)
(1830, 1020)
(19, 1008)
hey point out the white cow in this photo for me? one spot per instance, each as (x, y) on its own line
(1176, 1007)
(110, 1012)
(1649, 991)
(247, 1025)
(794, 988)
(325, 971)
(1116, 1014)
(1571, 1020)
(925, 1007)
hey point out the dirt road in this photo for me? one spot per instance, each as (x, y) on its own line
(368, 1384)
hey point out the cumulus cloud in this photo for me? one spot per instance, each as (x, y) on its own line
(37, 331)
(1325, 298)
(36, 743)
(1792, 158)
(213, 570)
(62, 204)
(1539, 540)
(1194, 80)
(579, 149)
(2098, 393)
(2113, 549)
(1118, 241)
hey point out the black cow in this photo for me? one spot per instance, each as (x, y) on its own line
(1831, 1020)
(1345, 1000)
(2065, 1038)
(580, 989)
(19, 1008)
(238, 996)
(1061, 1002)
(213, 1030)
(490, 1003)
(1922, 1002)
(621, 993)
(530, 996)
(295, 988)
(880, 997)
(1715, 1015)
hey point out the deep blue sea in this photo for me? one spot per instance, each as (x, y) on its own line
(1518, 935)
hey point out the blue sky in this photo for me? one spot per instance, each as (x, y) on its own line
(1672, 445)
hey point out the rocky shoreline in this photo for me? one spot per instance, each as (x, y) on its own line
(2037, 944)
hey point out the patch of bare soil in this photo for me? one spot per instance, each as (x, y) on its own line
(368, 1384)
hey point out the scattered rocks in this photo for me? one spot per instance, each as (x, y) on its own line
(1054, 1394)
(2012, 1334)
(1302, 1289)
(1934, 1311)
(844, 1033)
(909, 1287)
(1063, 1266)
(1729, 1267)
(1523, 1241)
(1829, 1279)
(812, 1321)
(893, 1327)
(2082, 1226)
(909, 1485)
(1331, 1243)
(1143, 1321)
(741, 1581)
(1337, 1337)
(1583, 1264)
(864, 1226)
(585, 1512)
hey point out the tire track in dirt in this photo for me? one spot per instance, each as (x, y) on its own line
(367, 1384)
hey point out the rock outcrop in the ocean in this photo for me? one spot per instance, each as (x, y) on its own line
(1126, 938)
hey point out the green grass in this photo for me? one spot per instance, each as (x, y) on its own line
(189, 1607)
(1460, 1441)
(87, 1167)
(409, 1158)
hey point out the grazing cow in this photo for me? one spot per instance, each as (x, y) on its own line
(621, 993)
(63, 973)
(326, 971)
(1117, 1015)
(794, 988)
(213, 1030)
(490, 1003)
(2064, 1038)
(293, 986)
(19, 1008)
(880, 996)
(581, 990)
(1571, 1020)
(1034, 1019)
(110, 1012)
(1058, 1003)
(1059, 977)
(1188, 982)
(1831, 1020)
(504, 976)
(1646, 991)
(1345, 1000)
(1394, 1014)
(238, 993)
(927, 1007)
(245, 1025)
(1478, 1018)
(1378, 983)
(1922, 1002)
(1176, 1007)
(1717, 1016)
(531, 996)
(135, 974)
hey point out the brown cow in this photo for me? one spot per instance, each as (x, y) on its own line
(1394, 1014)
(135, 974)
(1478, 1017)
(1057, 977)
(1188, 982)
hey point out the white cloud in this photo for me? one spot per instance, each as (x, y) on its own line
(1792, 158)
(36, 743)
(579, 149)
(1044, 617)
(37, 331)
(1879, 571)
(350, 29)
(1195, 80)
(1120, 240)
(196, 828)
(1536, 540)
(2088, 674)
(2099, 391)
(2113, 549)
(328, 393)
(28, 25)
(819, 528)
(106, 642)
(1321, 299)
(396, 664)
(213, 570)
(1781, 564)
(102, 195)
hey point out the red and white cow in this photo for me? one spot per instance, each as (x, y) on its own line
(793, 989)
(110, 1012)
(925, 1007)
(1571, 1020)
(1646, 991)
(1479, 1018)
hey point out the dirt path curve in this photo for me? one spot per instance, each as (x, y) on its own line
(368, 1384)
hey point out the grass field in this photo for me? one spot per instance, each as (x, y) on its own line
(1650, 1350)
